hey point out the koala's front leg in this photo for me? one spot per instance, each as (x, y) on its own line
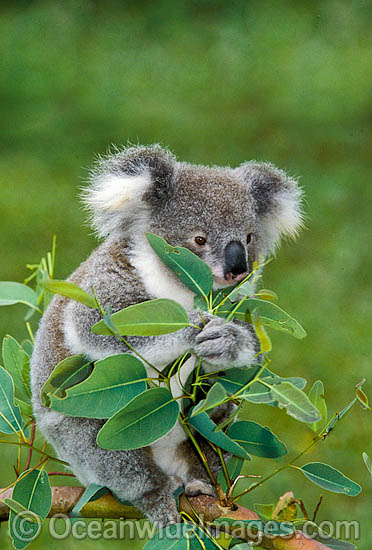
(229, 344)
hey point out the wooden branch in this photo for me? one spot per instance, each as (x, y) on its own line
(207, 507)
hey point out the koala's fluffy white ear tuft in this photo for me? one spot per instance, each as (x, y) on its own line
(119, 183)
(278, 201)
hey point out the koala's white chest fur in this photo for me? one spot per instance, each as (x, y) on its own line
(165, 451)
(159, 283)
(156, 278)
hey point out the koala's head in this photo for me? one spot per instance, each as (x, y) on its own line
(229, 217)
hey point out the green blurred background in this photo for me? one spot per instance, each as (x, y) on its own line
(219, 83)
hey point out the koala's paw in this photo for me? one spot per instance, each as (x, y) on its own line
(160, 505)
(199, 487)
(199, 319)
(225, 344)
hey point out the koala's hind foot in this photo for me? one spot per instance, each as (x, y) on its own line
(199, 487)
(159, 505)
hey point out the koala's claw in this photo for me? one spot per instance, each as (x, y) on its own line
(220, 343)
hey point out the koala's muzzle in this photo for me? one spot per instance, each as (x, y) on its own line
(235, 266)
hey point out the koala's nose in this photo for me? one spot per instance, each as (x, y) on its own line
(235, 268)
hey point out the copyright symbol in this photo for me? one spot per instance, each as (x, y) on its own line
(26, 526)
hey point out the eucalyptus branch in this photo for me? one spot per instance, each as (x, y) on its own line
(27, 444)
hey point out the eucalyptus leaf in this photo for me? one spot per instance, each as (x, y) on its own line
(234, 379)
(145, 419)
(216, 395)
(270, 314)
(367, 462)
(295, 401)
(316, 396)
(66, 373)
(265, 294)
(113, 382)
(17, 363)
(265, 511)
(10, 415)
(330, 479)
(19, 508)
(257, 440)
(91, 493)
(70, 290)
(32, 491)
(150, 318)
(263, 337)
(206, 427)
(180, 536)
(189, 268)
(17, 293)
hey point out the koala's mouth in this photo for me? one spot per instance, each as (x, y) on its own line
(229, 279)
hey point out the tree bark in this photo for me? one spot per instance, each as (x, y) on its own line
(64, 499)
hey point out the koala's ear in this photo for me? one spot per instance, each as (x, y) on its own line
(123, 183)
(277, 200)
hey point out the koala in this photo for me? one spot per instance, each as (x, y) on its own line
(229, 217)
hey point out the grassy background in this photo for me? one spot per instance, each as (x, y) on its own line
(219, 83)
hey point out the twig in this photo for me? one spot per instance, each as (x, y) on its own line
(317, 507)
(32, 438)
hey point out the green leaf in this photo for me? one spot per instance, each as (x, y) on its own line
(295, 401)
(189, 268)
(362, 397)
(33, 492)
(150, 318)
(206, 427)
(10, 415)
(113, 382)
(19, 508)
(316, 396)
(265, 511)
(91, 493)
(145, 419)
(17, 293)
(180, 536)
(265, 294)
(28, 347)
(256, 439)
(67, 373)
(216, 395)
(236, 378)
(236, 292)
(234, 466)
(17, 363)
(263, 337)
(367, 462)
(330, 479)
(70, 290)
(270, 314)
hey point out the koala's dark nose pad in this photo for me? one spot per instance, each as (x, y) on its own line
(235, 268)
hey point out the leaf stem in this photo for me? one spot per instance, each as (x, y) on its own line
(201, 454)
(31, 443)
(27, 444)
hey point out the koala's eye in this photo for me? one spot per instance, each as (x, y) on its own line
(249, 238)
(200, 240)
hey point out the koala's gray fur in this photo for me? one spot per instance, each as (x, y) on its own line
(139, 190)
